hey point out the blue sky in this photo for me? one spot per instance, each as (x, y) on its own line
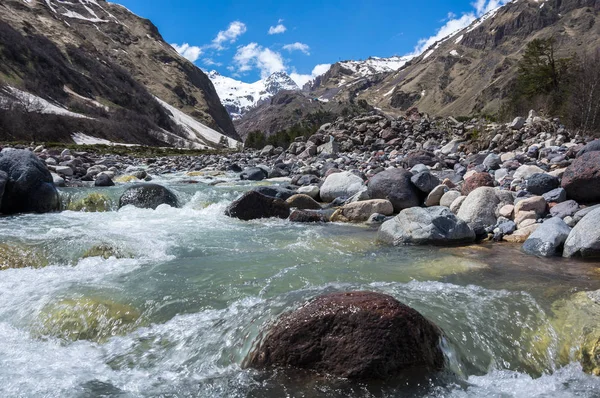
(249, 39)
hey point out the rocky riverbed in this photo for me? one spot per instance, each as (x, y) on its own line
(530, 181)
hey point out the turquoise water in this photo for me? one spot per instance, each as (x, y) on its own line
(206, 284)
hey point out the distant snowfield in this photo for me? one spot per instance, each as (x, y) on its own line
(376, 65)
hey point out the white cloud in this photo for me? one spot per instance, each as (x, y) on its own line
(191, 53)
(254, 56)
(318, 70)
(297, 47)
(454, 24)
(211, 62)
(275, 30)
(235, 30)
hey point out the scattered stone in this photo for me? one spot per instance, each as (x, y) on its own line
(253, 174)
(584, 239)
(448, 198)
(475, 181)
(310, 190)
(303, 202)
(307, 216)
(395, 186)
(541, 183)
(557, 195)
(361, 211)
(425, 181)
(521, 235)
(344, 184)
(479, 209)
(104, 180)
(564, 209)
(435, 196)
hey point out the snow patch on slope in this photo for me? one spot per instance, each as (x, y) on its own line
(375, 65)
(196, 131)
(33, 103)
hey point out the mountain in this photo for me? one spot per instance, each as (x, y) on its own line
(473, 70)
(94, 68)
(239, 97)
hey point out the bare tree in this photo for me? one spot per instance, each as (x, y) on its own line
(585, 94)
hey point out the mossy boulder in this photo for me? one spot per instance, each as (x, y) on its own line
(16, 256)
(126, 179)
(88, 319)
(576, 322)
(105, 251)
(94, 202)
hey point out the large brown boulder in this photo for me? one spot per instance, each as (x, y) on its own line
(581, 179)
(253, 205)
(356, 335)
(395, 185)
(475, 181)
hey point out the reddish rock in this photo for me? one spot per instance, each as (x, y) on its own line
(475, 181)
(356, 335)
(581, 179)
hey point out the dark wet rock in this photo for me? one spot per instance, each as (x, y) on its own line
(307, 216)
(432, 225)
(477, 180)
(355, 335)
(104, 180)
(148, 196)
(557, 195)
(28, 185)
(584, 239)
(394, 185)
(303, 202)
(425, 181)
(253, 205)
(564, 209)
(541, 183)
(276, 191)
(3, 182)
(253, 174)
(581, 179)
(548, 238)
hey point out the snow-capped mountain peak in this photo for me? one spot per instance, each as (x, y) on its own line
(238, 97)
(374, 65)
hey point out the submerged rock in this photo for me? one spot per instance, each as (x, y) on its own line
(308, 216)
(94, 202)
(104, 251)
(16, 256)
(356, 335)
(28, 184)
(253, 205)
(148, 196)
(432, 225)
(88, 319)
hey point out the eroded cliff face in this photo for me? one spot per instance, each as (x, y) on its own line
(90, 41)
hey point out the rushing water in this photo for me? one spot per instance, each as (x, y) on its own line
(205, 284)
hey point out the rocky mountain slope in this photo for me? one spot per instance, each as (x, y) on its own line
(471, 71)
(239, 97)
(98, 60)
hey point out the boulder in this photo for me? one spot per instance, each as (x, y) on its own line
(435, 196)
(581, 179)
(425, 181)
(354, 335)
(148, 196)
(541, 183)
(536, 203)
(564, 209)
(449, 197)
(492, 161)
(361, 211)
(475, 181)
(344, 184)
(303, 202)
(557, 195)
(395, 186)
(525, 171)
(104, 180)
(518, 123)
(253, 205)
(479, 209)
(592, 146)
(308, 216)
(548, 238)
(584, 239)
(253, 174)
(432, 225)
(28, 185)
(276, 191)
(310, 190)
